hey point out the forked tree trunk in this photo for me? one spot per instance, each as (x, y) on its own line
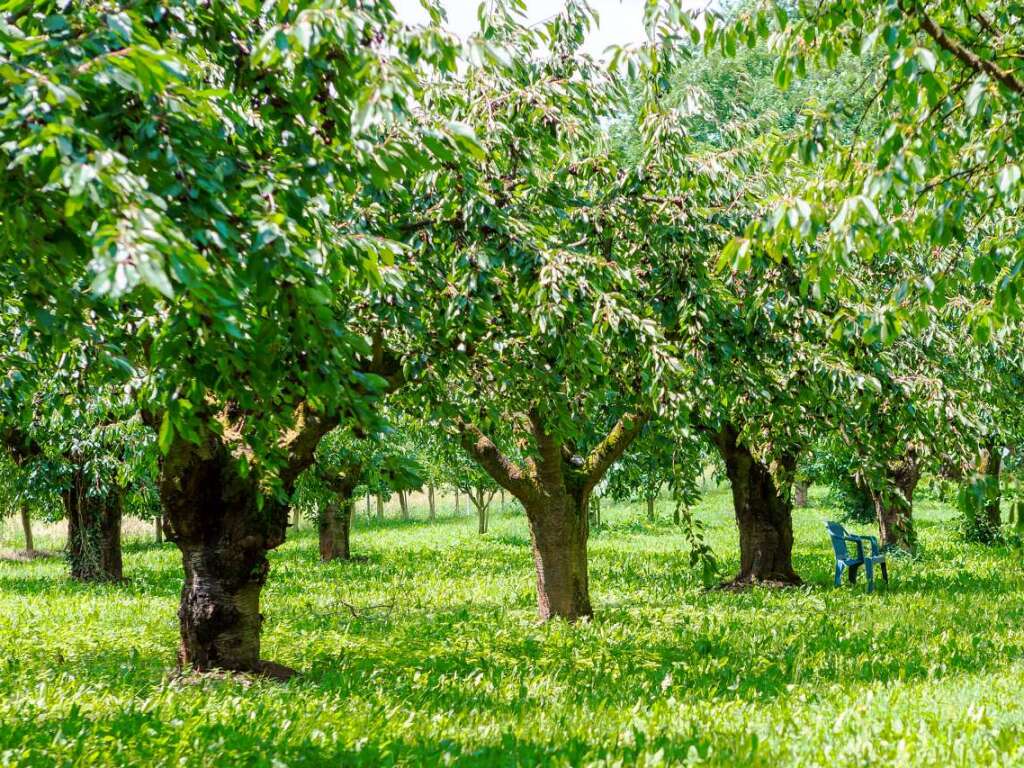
(800, 494)
(555, 495)
(763, 512)
(482, 502)
(26, 527)
(403, 504)
(558, 532)
(94, 531)
(894, 505)
(158, 526)
(650, 509)
(431, 501)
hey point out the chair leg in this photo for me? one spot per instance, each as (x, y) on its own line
(869, 571)
(885, 573)
(853, 573)
(839, 573)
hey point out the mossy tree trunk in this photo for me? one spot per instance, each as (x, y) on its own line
(555, 491)
(763, 508)
(94, 529)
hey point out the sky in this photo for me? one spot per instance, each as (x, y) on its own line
(621, 21)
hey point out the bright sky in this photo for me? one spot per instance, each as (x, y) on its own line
(621, 21)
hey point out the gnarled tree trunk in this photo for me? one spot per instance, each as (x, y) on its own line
(894, 504)
(764, 515)
(94, 530)
(26, 527)
(215, 516)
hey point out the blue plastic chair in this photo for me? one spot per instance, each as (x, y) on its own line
(846, 562)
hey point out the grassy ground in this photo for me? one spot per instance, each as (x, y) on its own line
(451, 667)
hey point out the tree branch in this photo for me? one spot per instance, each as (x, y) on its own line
(503, 470)
(615, 443)
(968, 57)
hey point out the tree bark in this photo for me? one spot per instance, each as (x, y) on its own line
(94, 531)
(158, 526)
(894, 505)
(650, 509)
(990, 468)
(26, 527)
(403, 503)
(431, 502)
(555, 492)
(559, 532)
(800, 494)
(763, 511)
(224, 526)
(335, 521)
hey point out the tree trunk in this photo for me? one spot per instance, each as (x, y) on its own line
(595, 511)
(368, 515)
(94, 531)
(26, 526)
(800, 494)
(380, 507)
(650, 509)
(991, 466)
(213, 515)
(456, 502)
(558, 531)
(295, 517)
(335, 530)
(894, 505)
(763, 512)
(403, 503)
(502, 499)
(431, 502)
(158, 526)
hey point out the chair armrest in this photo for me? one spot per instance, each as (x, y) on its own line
(858, 540)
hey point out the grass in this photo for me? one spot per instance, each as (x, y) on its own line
(442, 661)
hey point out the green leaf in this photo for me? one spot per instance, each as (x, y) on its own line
(465, 137)
(166, 436)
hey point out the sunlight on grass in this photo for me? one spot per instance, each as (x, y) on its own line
(428, 652)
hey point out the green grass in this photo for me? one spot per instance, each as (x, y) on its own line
(454, 669)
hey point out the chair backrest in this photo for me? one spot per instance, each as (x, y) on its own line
(837, 533)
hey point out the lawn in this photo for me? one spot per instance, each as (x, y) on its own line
(428, 653)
